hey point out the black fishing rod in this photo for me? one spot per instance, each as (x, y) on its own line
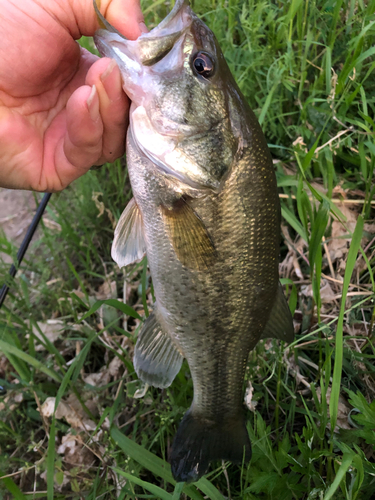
(25, 243)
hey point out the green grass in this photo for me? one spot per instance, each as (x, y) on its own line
(307, 69)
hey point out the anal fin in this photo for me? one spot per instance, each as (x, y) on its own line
(280, 323)
(129, 244)
(189, 236)
(157, 359)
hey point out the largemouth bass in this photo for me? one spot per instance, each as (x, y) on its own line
(206, 212)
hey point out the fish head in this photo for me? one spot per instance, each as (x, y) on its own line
(179, 83)
(175, 71)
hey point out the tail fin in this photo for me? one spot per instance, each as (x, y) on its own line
(199, 441)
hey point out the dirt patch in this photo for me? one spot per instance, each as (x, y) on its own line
(16, 212)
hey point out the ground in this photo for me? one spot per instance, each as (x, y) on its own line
(16, 212)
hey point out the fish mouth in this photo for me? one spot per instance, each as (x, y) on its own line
(135, 56)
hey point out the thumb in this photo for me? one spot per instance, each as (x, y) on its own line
(125, 15)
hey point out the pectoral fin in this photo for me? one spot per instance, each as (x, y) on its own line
(129, 245)
(280, 323)
(156, 358)
(189, 237)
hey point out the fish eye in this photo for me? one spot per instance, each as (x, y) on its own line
(203, 64)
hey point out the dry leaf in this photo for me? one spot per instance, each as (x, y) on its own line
(249, 397)
(51, 329)
(107, 290)
(139, 393)
(52, 225)
(68, 444)
(74, 452)
(294, 369)
(48, 407)
(295, 249)
(79, 294)
(4, 366)
(101, 207)
(98, 379)
(74, 416)
(326, 292)
(11, 401)
(338, 244)
(114, 367)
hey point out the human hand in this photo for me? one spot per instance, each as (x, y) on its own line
(62, 109)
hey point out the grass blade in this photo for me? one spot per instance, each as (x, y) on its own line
(337, 370)
(345, 464)
(267, 103)
(10, 338)
(293, 221)
(12, 488)
(74, 369)
(10, 349)
(51, 461)
(177, 491)
(152, 488)
(124, 308)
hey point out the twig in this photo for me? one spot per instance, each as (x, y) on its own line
(312, 342)
(360, 287)
(352, 294)
(24, 469)
(133, 419)
(315, 66)
(34, 492)
(350, 129)
(7, 219)
(227, 479)
(119, 388)
(369, 245)
(330, 265)
(334, 200)
(45, 423)
(333, 279)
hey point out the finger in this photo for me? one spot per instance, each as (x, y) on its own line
(114, 107)
(126, 16)
(82, 145)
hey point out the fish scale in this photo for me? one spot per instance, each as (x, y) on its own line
(206, 212)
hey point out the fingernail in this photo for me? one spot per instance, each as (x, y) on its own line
(143, 27)
(93, 104)
(108, 71)
(111, 81)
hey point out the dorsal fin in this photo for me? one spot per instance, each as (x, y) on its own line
(280, 323)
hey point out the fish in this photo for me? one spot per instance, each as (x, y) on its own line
(205, 210)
